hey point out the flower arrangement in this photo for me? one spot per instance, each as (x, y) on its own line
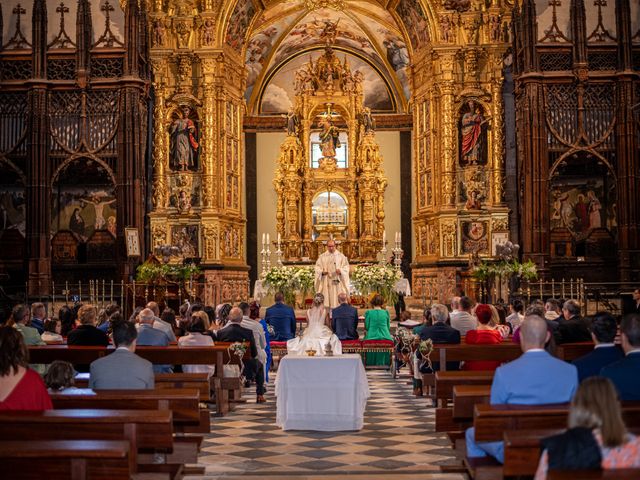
(425, 347)
(238, 349)
(290, 281)
(153, 273)
(487, 271)
(403, 336)
(381, 279)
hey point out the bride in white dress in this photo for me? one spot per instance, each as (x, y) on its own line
(317, 334)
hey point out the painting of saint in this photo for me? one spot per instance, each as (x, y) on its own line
(329, 137)
(595, 220)
(581, 208)
(76, 223)
(184, 142)
(99, 201)
(473, 135)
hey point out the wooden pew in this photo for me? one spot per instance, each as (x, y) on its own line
(66, 459)
(465, 398)
(217, 355)
(446, 380)
(147, 431)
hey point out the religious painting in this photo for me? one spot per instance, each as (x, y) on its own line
(12, 208)
(239, 23)
(473, 134)
(83, 210)
(260, 47)
(475, 237)
(397, 55)
(581, 206)
(184, 141)
(132, 241)
(415, 21)
(321, 27)
(497, 239)
(278, 96)
(185, 191)
(185, 237)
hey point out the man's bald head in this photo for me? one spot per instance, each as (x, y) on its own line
(533, 332)
(235, 315)
(153, 306)
(146, 316)
(342, 297)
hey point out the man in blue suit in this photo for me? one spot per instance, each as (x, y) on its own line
(625, 373)
(282, 318)
(149, 336)
(603, 330)
(344, 319)
(535, 378)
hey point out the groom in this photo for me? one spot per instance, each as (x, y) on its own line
(332, 275)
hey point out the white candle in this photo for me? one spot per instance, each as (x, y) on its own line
(268, 240)
(399, 237)
(263, 237)
(278, 240)
(384, 237)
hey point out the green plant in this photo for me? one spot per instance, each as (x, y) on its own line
(154, 273)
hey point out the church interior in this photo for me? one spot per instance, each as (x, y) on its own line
(172, 154)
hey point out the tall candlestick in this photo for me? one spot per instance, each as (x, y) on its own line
(263, 239)
(278, 240)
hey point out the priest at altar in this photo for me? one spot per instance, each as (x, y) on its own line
(332, 275)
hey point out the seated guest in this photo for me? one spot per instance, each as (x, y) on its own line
(67, 320)
(222, 315)
(515, 313)
(254, 313)
(376, 325)
(122, 369)
(483, 335)
(282, 318)
(105, 325)
(60, 377)
(38, 316)
(52, 329)
(233, 332)
(426, 321)
(196, 338)
(439, 333)
(537, 309)
(148, 335)
(463, 321)
(159, 323)
(597, 437)
(603, 331)
(527, 381)
(87, 333)
(344, 319)
(573, 328)
(455, 306)
(625, 373)
(20, 387)
(636, 301)
(19, 319)
(552, 310)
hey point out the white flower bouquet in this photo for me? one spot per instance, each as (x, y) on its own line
(367, 279)
(290, 281)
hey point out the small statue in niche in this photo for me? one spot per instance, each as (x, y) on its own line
(445, 28)
(184, 202)
(367, 120)
(208, 34)
(473, 135)
(329, 137)
(159, 33)
(184, 142)
(495, 28)
(293, 123)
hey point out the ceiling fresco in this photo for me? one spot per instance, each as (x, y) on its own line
(368, 32)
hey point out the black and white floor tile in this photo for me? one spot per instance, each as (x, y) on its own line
(398, 439)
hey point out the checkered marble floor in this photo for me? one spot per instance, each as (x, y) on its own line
(398, 438)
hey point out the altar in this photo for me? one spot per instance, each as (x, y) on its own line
(321, 393)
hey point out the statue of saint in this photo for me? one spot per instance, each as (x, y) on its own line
(184, 142)
(473, 135)
(293, 123)
(329, 138)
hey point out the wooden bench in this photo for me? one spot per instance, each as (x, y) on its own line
(66, 459)
(217, 355)
(147, 431)
(446, 380)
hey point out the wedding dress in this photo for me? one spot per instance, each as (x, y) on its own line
(316, 336)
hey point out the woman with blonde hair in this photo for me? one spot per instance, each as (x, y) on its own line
(597, 437)
(317, 334)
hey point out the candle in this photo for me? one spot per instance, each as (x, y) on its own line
(278, 240)
(268, 240)
(384, 237)
(263, 237)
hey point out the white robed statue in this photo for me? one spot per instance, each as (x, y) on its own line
(332, 275)
(317, 334)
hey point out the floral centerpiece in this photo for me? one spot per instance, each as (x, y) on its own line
(290, 281)
(154, 273)
(367, 279)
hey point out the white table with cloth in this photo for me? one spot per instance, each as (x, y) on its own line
(321, 393)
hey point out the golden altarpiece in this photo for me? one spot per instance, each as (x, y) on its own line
(329, 181)
(198, 86)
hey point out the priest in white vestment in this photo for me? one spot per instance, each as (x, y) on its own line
(332, 275)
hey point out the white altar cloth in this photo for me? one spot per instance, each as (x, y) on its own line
(321, 393)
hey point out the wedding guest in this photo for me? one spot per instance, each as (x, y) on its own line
(426, 321)
(38, 316)
(160, 324)
(282, 318)
(52, 329)
(484, 334)
(60, 377)
(344, 319)
(625, 372)
(254, 313)
(552, 310)
(87, 333)
(222, 314)
(67, 320)
(515, 313)
(196, 337)
(134, 316)
(19, 319)
(20, 387)
(376, 325)
(463, 321)
(603, 331)
(597, 437)
(574, 328)
(105, 326)
(148, 335)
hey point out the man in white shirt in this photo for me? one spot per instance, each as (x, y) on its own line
(515, 318)
(463, 321)
(332, 275)
(455, 307)
(258, 332)
(160, 324)
(552, 309)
